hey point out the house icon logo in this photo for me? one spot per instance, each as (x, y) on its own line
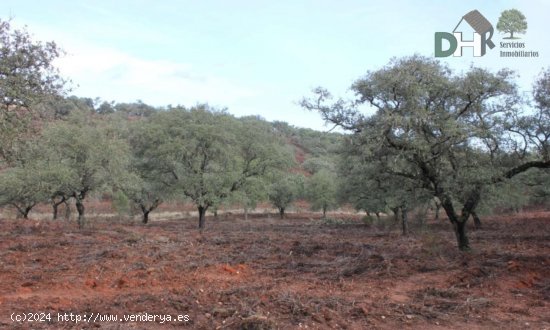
(483, 32)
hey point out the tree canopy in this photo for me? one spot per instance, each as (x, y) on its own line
(450, 134)
(321, 191)
(284, 190)
(206, 155)
(95, 157)
(27, 77)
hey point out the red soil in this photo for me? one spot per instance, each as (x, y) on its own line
(267, 273)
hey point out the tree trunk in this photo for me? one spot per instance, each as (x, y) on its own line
(324, 212)
(145, 210)
(405, 220)
(246, 213)
(377, 216)
(477, 221)
(202, 216)
(26, 212)
(23, 212)
(67, 210)
(145, 213)
(395, 211)
(282, 212)
(145, 218)
(459, 223)
(461, 237)
(80, 209)
(55, 206)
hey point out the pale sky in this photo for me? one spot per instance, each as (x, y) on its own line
(255, 57)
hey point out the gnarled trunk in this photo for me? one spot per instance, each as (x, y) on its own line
(79, 203)
(146, 210)
(55, 205)
(461, 237)
(282, 212)
(477, 220)
(202, 216)
(459, 223)
(145, 218)
(81, 210)
(26, 212)
(23, 211)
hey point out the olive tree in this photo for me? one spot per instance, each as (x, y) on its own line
(451, 134)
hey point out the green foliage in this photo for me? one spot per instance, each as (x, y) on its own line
(538, 183)
(315, 142)
(144, 182)
(205, 155)
(105, 108)
(254, 190)
(447, 135)
(536, 128)
(83, 145)
(135, 109)
(120, 203)
(285, 189)
(24, 186)
(512, 21)
(32, 179)
(321, 149)
(529, 188)
(367, 184)
(316, 164)
(321, 191)
(96, 158)
(27, 77)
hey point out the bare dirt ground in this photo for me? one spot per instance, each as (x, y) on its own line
(266, 273)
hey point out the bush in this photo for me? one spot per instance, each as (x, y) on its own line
(121, 204)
